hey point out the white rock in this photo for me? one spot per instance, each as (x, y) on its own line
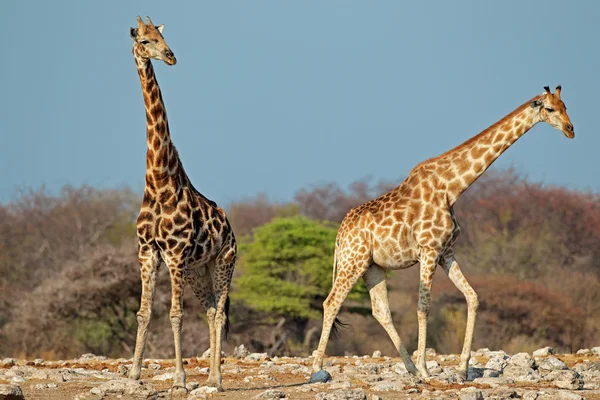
(584, 351)
(551, 364)
(11, 390)
(544, 351)
(596, 350)
(97, 391)
(271, 394)
(240, 351)
(203, 390)
(353, 394)
(376, 354)
(164, 377)
(522, 360)
(256, 356)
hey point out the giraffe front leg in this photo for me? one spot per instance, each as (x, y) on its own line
(149, 262)
(428, 265)
(176, 314)
(456, 276)
(331, 307)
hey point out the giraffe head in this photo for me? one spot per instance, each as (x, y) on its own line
(552, 110)
(148, 42)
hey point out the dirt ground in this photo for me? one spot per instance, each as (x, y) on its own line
(242, 379)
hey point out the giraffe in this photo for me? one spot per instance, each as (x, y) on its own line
(177, 224)
(415, 223)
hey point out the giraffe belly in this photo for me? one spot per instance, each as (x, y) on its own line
(392, 256)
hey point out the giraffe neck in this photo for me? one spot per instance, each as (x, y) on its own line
(162, 160)
(460, 167)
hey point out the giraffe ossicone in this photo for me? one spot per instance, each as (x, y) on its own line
(177, 225)
(415, 223)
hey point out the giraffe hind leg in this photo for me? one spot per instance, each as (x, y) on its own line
(375, 280)
(221, 274)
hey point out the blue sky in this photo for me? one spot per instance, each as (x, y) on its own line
(272, 96)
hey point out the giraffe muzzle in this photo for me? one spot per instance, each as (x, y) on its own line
(569, 131)
(169, 57)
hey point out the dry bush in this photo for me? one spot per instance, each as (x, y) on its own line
(510, 308)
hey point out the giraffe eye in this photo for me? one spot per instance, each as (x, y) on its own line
(549, 109)
(144, 42)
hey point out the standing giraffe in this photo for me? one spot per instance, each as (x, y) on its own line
(177, 224)
(415, 223)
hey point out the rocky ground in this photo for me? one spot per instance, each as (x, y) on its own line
(492, 375)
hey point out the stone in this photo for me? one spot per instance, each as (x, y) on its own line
(471, 395)
(8, 362)
(97, 391)
(565, 379)
(596, 350)
(12, 392)
(192, 385)
(496, 363)
(522, 360)
(375, 397)
(240, 351)
(530, 395)
(155, 366)
(40, 386)
(128, 387)
(561, 395)
(352, 394)
(321, 376)
(271, 394)
(164, 377)
(387, 386)
(38, 361)
(376, 354)
(551, 364)
(257, 356)
(433, 367)
(544, 351)
(204, 390)
(584, 351)
(341, 385)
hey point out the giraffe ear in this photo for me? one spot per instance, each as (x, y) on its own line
(535, 103)
(160, 27)
(133, 32)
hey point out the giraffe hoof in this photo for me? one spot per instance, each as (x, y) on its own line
(321, 376)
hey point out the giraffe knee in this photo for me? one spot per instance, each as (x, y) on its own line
(143, 316)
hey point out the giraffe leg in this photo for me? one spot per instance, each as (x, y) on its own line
(331, 307)
(176, 314)
(201, 283)
(428, 266)
(149, 262)
(456, 276)
(375, 280)
(221, 277)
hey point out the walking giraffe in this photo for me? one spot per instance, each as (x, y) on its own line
(177, 224)
(415, 223)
